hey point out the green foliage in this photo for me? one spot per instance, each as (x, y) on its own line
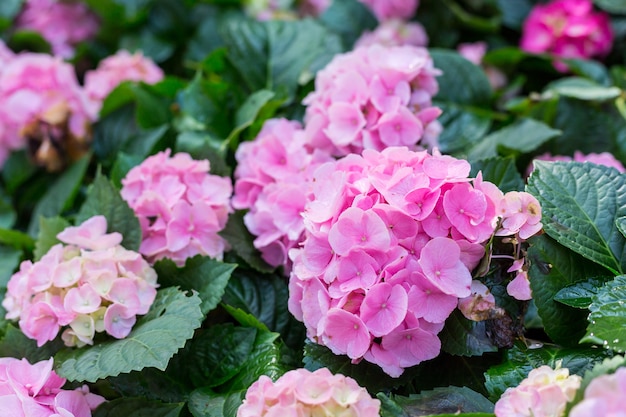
(10, 258)
(579, 295)
(440, 401)
(464, 337)
(614, 6)
(155, 338)
(583, 89)
(205, 403)
(500, 171)
(49, 228)
(241, 241)
(14, 344)
(138, 407)
(607, 321)
(348, 18)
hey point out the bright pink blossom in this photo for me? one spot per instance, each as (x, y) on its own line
(180, 206)
(567, 29)
(81, 287)
(604, 397)
(36, 390)
(544, 393)
(64, 24)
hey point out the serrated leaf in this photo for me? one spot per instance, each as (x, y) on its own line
(137, 407)
(500, 171)
(104, 199)
(552, 268)
(521, 360)
(155, 338)
(580, 203)
(60, 195)
(444, 400)
(205, 275)
(579, 295)
(241, 240)
(607, 318)
(49, 228)
(464, 337)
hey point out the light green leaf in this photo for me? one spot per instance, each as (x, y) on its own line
(16, 239)
(155, 338)
(607, 320)
(137, 407)
(580, 203)
(579, 295)
(104, 199)
(60, 195)
(583, 89)
(620, 223)
(49, 228)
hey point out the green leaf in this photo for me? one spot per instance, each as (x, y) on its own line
(219, 353)
(444, 400)
(240, 239)
(613, 6)
(49, 228)
(464, 93)
(349, 19)
(152, 110)
(579, 295)
(205, 275)
(205, 403)
(196, 104)
(285, 53)
(16, 170)
(500, 171)
(461, 336)
(520, 360)
(248, 112)
(152, 384)
(7, 211)
(143, 143)
(583, 89)
(155, 338)
(607, 366)
(9, 260)
(112, 132)
(620, 223)
(552, 268)
(590, 69)
(202, 145)
(16, 239)
(15, 344)
(60, 195)
(514, 12)
(104, 199)
(523, 136)
(137, 407)
(580, 203)
(120, 96)
(607, 320)
(122, 165)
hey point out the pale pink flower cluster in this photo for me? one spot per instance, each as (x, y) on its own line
(392, 9)
(391, 240)
(36, 390)
(90, 284)
(273, 181)
(394, 32)
(64, 24)
(567, 29)
(544, 393)
(39, 92)
(603, 158)
(372, 98)
(604, 397)
(304, 393)
(115, 69)
(180, 206)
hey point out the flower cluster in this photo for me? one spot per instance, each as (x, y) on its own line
(394, 32)
(544, 393)
(372, 98)
(391, 240)
(273, 181)
(567, 29)
(36, 390)
(603, 397)
(115, 69)
(304, 393)
(180, 206)
(91, 284)
(64, 24)
(392, 9)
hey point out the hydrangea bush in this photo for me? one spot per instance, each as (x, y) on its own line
(312, 208)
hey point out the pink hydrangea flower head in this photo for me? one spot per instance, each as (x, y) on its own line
(64, 24)
(115, 69)
(567, 29)
(29, 390)
(304, 393)
(40, 97)
(85, 285)
(371, 98)
(180, 206)
(544, 393)
(392, 9)
(394, 32)
(604, 396)
(384, 260)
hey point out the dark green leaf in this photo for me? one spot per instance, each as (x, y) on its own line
(17, 169)
(104, 199)
(579, 295)
(9, 260)
(7, 212)
(500, 171)
(120, 96)
(205, 403)
(580, 203)
(607, 320)
(141, 145)
(248, 112)
(152, 384)
(205, 275)
(16, 239)
(444, 400)
(349, 19)
(61, 194)
(155, 338)
(464, 337)
(196, 104)
(49, 228)
(552, 268)
(514, 12)
(15, 344)
(202, 145)
(241, 240)
(122, 165)
(152, 110)
(113, 131)
(137, 407)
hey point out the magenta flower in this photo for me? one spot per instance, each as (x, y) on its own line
(567, 29)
